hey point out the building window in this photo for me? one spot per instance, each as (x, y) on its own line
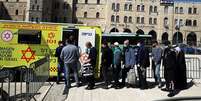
(38, 7)
(97, 15)
(112, 18)
(165, 21)
(155, 21)
(195, 23)
(33, 7)
(142, 8)
(194, 10)
(113, 6)
(166, 9)
(151, 9)
(142, 20)
(180, 22)
(189, 10)
(117, 18)
(85, 14)
(35, 1)
(16, 12)
(176, 10)
(57, 5)
(118, 6)
(188, 22)
(176, 21)
(130, 19)
(138, 20)
(130, 7)
(98, 1)
(86, 1)
(125, 19)
(138, 8)
(6, 0)
(155, 9)
(181, 10)
(126, 7)
(150, 21)
(17, 0)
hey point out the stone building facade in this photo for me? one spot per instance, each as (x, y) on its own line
(180, 21)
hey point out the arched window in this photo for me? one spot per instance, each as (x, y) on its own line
(37, 7)
(117, 18)
(125, 19)
(112, 18)
(166, 9)
(16, 12)
(165, 21)
(130, 7)
(118, 6)
(130, 19)
(113, 6)
(33, 7)
(195, 23)
(98, 1)
(164, 37)
(176, 9)
(155, 21)
(151, 9)
(150, 21)
(177, 38)
(97, 15)
(191, 39)
(126, 7)
(85, 14)
(155, 9)
(181, 10)
(142, 8)
(86, 1)
(32, 19)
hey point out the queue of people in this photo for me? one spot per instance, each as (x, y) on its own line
(122, 61)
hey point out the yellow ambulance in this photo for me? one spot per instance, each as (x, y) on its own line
(23, 43)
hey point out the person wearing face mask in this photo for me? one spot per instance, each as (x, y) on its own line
(142, 63)
(128, 60)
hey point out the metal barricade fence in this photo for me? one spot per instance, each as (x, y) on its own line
(193, 68)
(24, 82)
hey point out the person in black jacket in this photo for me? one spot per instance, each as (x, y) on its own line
(169, 63)
(180, 78)
(106, 62)
(60, 62)
(92, 52)
(142, 63)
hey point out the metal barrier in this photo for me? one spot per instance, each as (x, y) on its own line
(193, 68)
(26, 81)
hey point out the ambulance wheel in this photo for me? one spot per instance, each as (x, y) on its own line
(28, 76)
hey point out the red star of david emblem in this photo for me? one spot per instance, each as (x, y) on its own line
(28, 50)
(51, 35)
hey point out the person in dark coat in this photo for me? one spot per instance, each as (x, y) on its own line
(142, 63)
(106, 62)
(180, 77)
(129, 60)
(92, 55)
(60, 65)
(169, 61)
